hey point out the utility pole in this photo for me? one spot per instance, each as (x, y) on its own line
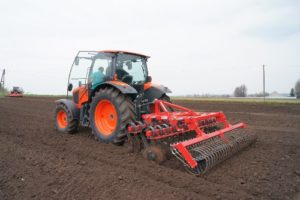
(264, 83)
(2, 79)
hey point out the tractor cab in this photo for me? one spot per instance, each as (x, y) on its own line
(92, 70)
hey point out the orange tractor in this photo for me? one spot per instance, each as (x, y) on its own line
(112, 92)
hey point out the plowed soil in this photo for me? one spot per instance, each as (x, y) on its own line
(36, 162)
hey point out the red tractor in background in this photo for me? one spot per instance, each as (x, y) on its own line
(112, 92)
(16, 92)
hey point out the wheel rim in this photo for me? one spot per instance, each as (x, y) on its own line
(106, 117)
(62, 119)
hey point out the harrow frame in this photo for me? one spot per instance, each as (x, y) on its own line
(164, 123)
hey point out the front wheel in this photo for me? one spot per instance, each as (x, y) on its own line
(110, 112)
(64, 121)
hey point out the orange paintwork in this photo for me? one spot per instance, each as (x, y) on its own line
(62, 119)
(83, 95)
(147, 85)
(106, 118)
(120, 83)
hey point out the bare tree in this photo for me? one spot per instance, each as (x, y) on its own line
(292, 93)
(240, 91)
(297, 89)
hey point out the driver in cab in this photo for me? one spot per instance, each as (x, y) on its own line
(122, 74)
(98, 77)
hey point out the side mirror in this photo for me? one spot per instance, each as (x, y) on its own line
(148, 79)
(70, 87)
(76, 61)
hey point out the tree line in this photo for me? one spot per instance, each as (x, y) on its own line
(241, 91)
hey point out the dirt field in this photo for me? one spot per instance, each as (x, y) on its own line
(36, 162)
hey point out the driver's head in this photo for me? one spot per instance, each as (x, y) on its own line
(129, 65)
(101, 69)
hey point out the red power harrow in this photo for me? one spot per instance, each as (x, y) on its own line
(199, 140)
(15, 94)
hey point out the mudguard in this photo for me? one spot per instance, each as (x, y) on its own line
(71, 106)
(123, 87)
(156, 92)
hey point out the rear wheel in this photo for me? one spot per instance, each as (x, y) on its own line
(110, 112)
(64, 121)
(164, 97)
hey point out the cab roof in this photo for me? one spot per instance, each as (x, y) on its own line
(120, 51)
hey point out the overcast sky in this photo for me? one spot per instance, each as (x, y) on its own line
(196, 46)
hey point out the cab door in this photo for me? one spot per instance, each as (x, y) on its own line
(78, 78)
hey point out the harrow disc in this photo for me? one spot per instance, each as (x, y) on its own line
(155, 153)
(210, 152)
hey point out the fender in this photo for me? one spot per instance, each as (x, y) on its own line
(123, 87)
(153, 91)
(71, 106)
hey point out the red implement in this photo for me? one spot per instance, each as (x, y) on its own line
(15, 94)
(198, 139)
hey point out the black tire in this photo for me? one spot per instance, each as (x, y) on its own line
(72, 124)
(125, 114)
(166, 98)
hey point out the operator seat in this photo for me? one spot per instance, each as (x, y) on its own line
(127, 79)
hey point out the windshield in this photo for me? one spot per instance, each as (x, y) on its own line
(131, 69)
